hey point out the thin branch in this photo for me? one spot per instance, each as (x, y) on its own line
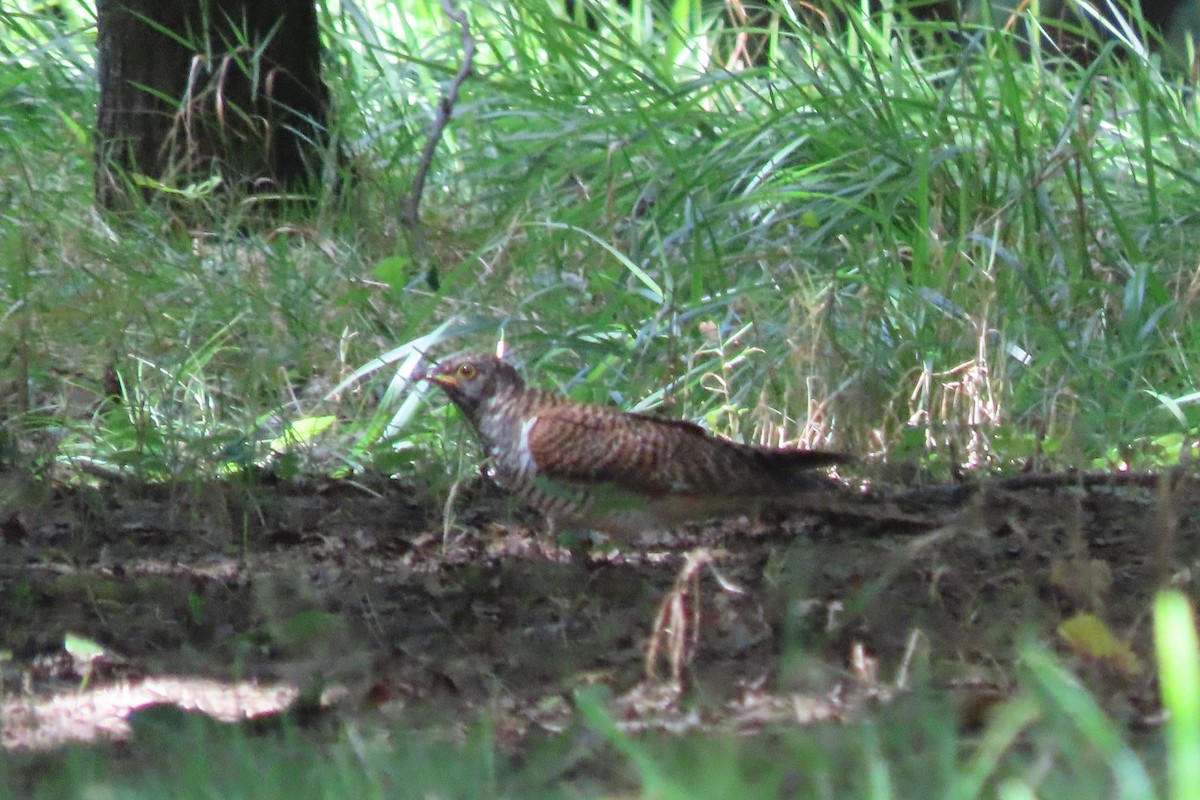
(445, 107)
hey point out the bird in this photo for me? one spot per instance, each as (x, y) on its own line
(620, 473)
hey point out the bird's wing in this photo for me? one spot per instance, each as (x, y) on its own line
(595, 444)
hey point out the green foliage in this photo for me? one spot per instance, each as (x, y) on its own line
(1179, 675)
(1050, 739)
(889, 234)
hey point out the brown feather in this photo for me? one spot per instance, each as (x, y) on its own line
(593, 443)
(619, 472)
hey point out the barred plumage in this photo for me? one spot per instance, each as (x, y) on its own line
(618, 472)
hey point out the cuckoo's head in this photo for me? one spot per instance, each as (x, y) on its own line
(471, 378)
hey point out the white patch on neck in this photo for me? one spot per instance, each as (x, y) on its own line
(525, 460)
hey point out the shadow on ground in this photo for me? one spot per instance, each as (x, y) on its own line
(238, 602)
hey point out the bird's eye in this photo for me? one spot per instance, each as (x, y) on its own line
(467, 372)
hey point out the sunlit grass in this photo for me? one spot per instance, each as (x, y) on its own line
(885, 236)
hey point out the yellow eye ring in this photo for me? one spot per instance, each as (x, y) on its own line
(467, 372)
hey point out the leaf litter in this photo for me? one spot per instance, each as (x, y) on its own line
(242, 602)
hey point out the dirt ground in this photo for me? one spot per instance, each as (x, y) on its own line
(239, 600)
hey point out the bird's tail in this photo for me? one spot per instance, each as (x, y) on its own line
(781, 470)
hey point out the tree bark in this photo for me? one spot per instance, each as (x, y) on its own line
(192, 89)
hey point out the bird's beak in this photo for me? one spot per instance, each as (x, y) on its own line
(445, 380)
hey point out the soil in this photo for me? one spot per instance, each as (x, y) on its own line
(247, 600)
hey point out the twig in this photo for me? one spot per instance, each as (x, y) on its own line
(676, 628)
(412, 217)
(1147, 480)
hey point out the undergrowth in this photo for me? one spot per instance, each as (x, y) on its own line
(911, 239)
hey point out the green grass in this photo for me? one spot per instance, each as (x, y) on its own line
(880, 239)
(1050, 739)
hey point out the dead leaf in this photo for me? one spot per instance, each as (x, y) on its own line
(1091, 638)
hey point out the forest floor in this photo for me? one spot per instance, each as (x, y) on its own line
(340, 599)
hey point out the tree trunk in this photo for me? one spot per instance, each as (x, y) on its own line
(196, 89)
